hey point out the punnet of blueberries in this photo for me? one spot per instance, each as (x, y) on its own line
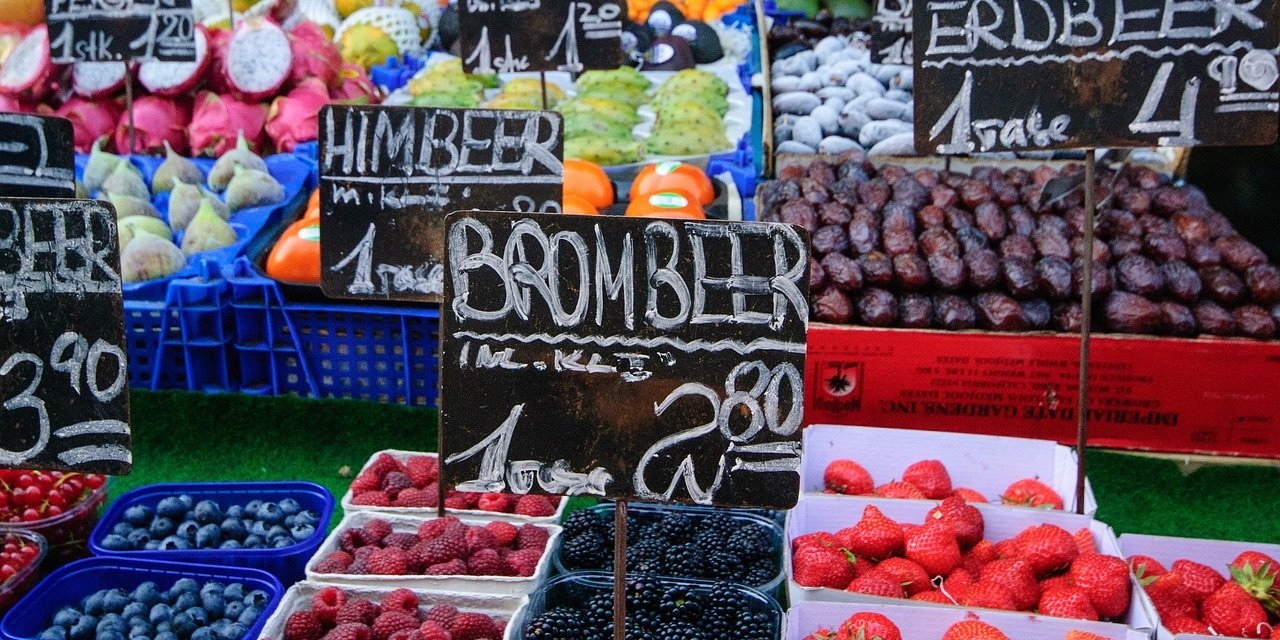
(188, 610)
(182, 523)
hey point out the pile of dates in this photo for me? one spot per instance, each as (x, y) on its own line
(945, 250)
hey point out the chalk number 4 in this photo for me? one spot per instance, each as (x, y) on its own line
(1183, 129)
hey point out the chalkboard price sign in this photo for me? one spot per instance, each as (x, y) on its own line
(36, 160)
(106, 30)
(502, 36)
(626, 358)
(389, 175)
(891, 39)
(63, 397)
(1013, 75)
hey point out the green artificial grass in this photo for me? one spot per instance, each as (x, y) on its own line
(188, 437)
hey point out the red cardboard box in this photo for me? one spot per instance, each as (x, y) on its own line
(1219, 396)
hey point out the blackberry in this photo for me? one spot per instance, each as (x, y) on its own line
(681, 630)
(760, 572)
(721, 610)
(580, 522)
(679, 603)
(586, 551)
(643, 594)
(560, 623)
(751, 542)
(600, 609)
(645, 556)
(714, 533)
(725, 565)
(685, 561)
(755, 626)
(675, 528)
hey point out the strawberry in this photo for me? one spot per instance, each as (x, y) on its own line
(934, 547)
(862, 566)
(422, 470)
(523, 563)
(936, 597)
(1084, 541)
(1146, 567)
(1076, 634)
(391, 622)
(1031, 493)
(1067, 602)
(899, 489)
(875, 536)
(1106, 580)
(504, 533)
(372, 499)
(930, 477)
(1231, 611)
(486, 562)
(1047, 548)
(400, 600)
(814, 566)
(1056, 582)
(303, 625)
(442, 614)
(417, 499)
(877, 583)
(1261, 563)
(1257, 573)
(968, 495)
(1184, 624)
(868, 626)
(349, 631)
(847, 477)
(910, 575)
(357, 611)
(1007, 548)
(1016, 576)
(973, 630)
(821, 634)
(978, 556)
(1201, 581)
(336, 562)
(1170, 596)
(432, 630)
(957, 584)
(473, 626)
(989, 595)
(496, 502)
(326, 604)
(532, 537)
(535, 506)
(392, 561)
(817, 538)
(965, 521)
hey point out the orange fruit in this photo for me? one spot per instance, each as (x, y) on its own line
(313, 207)
(666, 204)
(589, 182)
(296, 255)
(575, 204)
(25, 12)
(677, 176)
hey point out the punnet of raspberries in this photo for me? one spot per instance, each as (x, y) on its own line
(866, 625)
(412, 483)
(335, 614)
(930, 480)
(1191, 597)
(438, 547)
(946, 560)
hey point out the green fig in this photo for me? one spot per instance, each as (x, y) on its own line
(129, 206)
(207, 231)
(81, 192)
(184, 202)
(133, 226)
(252, 188)
(173, 168)
(101, 164)
(125, 179)
(224, 169)
(148, 257)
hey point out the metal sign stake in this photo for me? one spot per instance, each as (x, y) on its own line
(1086, 321)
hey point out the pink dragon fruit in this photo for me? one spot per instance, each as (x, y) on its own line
(157, 120)
(10, 104)
(354, 86)
(177, 78)
(294, 118)
(97, 79)
(314, 55)
(216, 79)
(91, 119)
(216, 120)
(28, 73)
(258, 59)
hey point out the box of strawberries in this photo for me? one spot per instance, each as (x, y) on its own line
(830, 621)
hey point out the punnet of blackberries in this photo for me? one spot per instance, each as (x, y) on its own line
(931, 249)
(179, 523)
(718, 546)
(658, 609)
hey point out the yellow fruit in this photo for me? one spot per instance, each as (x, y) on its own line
(348, 7)
(366, 45)
(27, 12)
(242, 5)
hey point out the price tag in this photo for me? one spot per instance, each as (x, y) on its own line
(64, 400)
(1015, 75)
(891, 39)
(626, 358)
(388, 176)
(36, 158)
(105, 30)
(502, 36)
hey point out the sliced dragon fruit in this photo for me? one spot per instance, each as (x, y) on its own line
(157, 120)
(354, 86)
(294, 118)
(177, 78)
(97, 79)
(216, 78)
(258, 59)
(314, 55)
(91, 119)
(216, 120)
(11, 104)
(28, 71)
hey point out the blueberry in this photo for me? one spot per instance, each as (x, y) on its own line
(161, 528)
(288, 522)
(290, 506)
(138, 515)
(171, 508)
(198, 614)
(277, 532)
(147, 593)
(233, 529)
(234, 511)
(151, 545)
(116, 600)
(254, 542)
(138, 538)
(134, 610)
(305, 517)
(233, 610)
(186, 602)
(185, 585)
(213, 603)
(257, 598)
(188, 529)
(174, 543)
(211, 587)
(110, 634)
(208, 536)
(233, 591)
(165, 635)
(141, 630)
(281, 542)
(122, 529)
(301, 532)
(250, 615)
(270, 513)
(258, 528)
(53, 633)
(83, 629)
(137, 621)
(230, 544)
(219, 625)
(163, 627)
(187, 501)
(111, 621)
(160, 613)
(251, 509)
(208, 512)
(67, 616)
(114, 542)
(203, 633)
(93, 604)
(233, 631)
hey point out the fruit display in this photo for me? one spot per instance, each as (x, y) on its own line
(335, 613)
(192, 609)
(59, 506)
(873, 624)
(674, 543)
(180, 522)
(20, 559)
(929, 480)
(580, 605)
(930, 249)
(1239, 600)
(394, 480)
(445, 85)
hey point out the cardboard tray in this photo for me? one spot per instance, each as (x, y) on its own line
(987, 464)
(920, 622)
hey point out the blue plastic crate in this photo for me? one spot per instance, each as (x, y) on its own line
(397, 71)
(287, 564)
(71, 583)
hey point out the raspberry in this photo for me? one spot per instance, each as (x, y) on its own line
(473, 626)
(450, 568)
(392, 561)
(384, 464)
(442, 614)
(375, 530)
(349, 631)
(417, 499)
(432, 630)
(524, 563)
(326, 603)
(422, 470)
(532, 537)
(455, 500)
(480, 538)
(372, 499)
(442, 549)
(400, 600)
(336, 562)
(486, 562)
(403, 540)
(391, 622)
(357, 611)
(433, 528)
(535, 506)
(351, 539)
(303, 625)
(403, 634)
(360, 567)
(503, 532)
(395, 482)
(366, 481)
(496, 502)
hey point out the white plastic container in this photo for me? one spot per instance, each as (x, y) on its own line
(931, 622)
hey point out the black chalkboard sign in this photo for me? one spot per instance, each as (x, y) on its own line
(500, 36)
(36, 158)
(1011, 75)
(105, 30)
(628, 358)
(891, 37)
(388, 176)
(64, 401)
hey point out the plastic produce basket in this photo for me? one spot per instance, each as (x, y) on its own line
(576, 588)
(652, 513)
(67, 534)
(21, 582)
(918, 622)
(287, 564)
(298, 598)
(470, 514)
(73, 582)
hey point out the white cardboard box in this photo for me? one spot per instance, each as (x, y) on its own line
(987, 464)
(931, 622)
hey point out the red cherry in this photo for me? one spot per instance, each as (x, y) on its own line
(30, 515)
(56, 499)
(95, 481)
(53, 511)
